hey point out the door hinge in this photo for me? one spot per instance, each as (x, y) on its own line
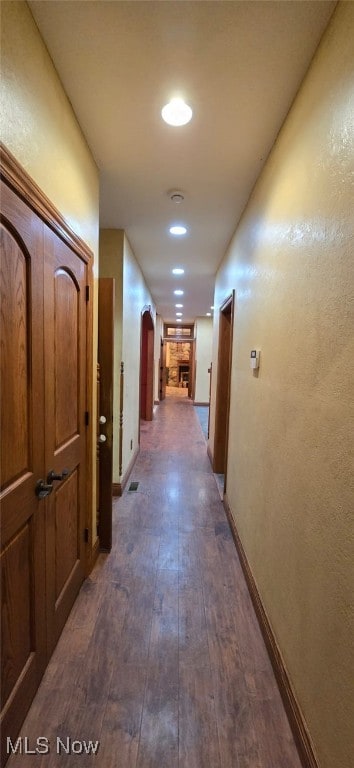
(87, 293)
(86, 535)
(87, 418)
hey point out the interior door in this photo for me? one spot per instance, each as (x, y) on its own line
(105, 410)
(65, 431)
(162, 388)
(23, 518)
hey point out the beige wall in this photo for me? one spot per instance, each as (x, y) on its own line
(203, 346)
(117, 260)
(136, 297)
(157, 353)
(291, 446)
(40, 129)
(111, 265)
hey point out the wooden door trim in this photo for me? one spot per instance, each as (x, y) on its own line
(25, 187)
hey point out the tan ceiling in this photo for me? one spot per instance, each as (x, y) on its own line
(239, 66)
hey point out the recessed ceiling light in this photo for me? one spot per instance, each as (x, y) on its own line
(208, 314)
(179, 314)
(178, 292)
(178, 271)
(178, 320)
(211, 307)
(179, 306)
(178, 229)
(176, 112)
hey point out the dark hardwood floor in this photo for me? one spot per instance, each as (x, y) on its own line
(162, 660)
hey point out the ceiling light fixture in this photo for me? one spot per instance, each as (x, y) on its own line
(208, 314)
(179, 314)
(176, 112)
(178, 292)
(178, 229)
(178, 271)
(178, 320)
(179, 306)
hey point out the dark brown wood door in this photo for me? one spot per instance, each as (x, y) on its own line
(65, 430)
(147, 367)
(105, 408)
(162, 388)
(43, 447)
(23, 513)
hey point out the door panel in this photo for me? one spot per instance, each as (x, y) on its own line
(66, 317)
(16, 628)
(106, 287)
(22, 459)
(65, 431)
(15, 454)
(67, 551)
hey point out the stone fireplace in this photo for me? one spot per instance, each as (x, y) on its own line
(177, 362)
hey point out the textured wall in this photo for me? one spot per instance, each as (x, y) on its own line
(157, 353)
(111, 265)
(291, 447)
(39, 127)
(203, 345)
(136, 296)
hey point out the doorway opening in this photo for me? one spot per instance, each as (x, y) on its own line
(183, 375)
(147, 366)
(178, 360)
(222, 404)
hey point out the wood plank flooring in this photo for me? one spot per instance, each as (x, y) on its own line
(162, 660)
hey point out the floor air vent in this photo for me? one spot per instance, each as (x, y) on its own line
(133, 486)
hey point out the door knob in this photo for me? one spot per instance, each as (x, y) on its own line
(102, 420)
(102, 438)
(55, 476)
(42, 489)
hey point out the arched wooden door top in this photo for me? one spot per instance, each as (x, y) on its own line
(147, 317)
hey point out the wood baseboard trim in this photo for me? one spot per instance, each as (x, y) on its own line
(118, 488)
(296, 720)
(197, 402)
(156, 402)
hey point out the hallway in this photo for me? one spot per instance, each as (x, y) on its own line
(162, 659)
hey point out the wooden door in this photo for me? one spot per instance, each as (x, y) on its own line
(43, 447)
(147, 367)
(105, 448)
(65, 431)
(223, 386)
(23, 519)
(162, 387)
